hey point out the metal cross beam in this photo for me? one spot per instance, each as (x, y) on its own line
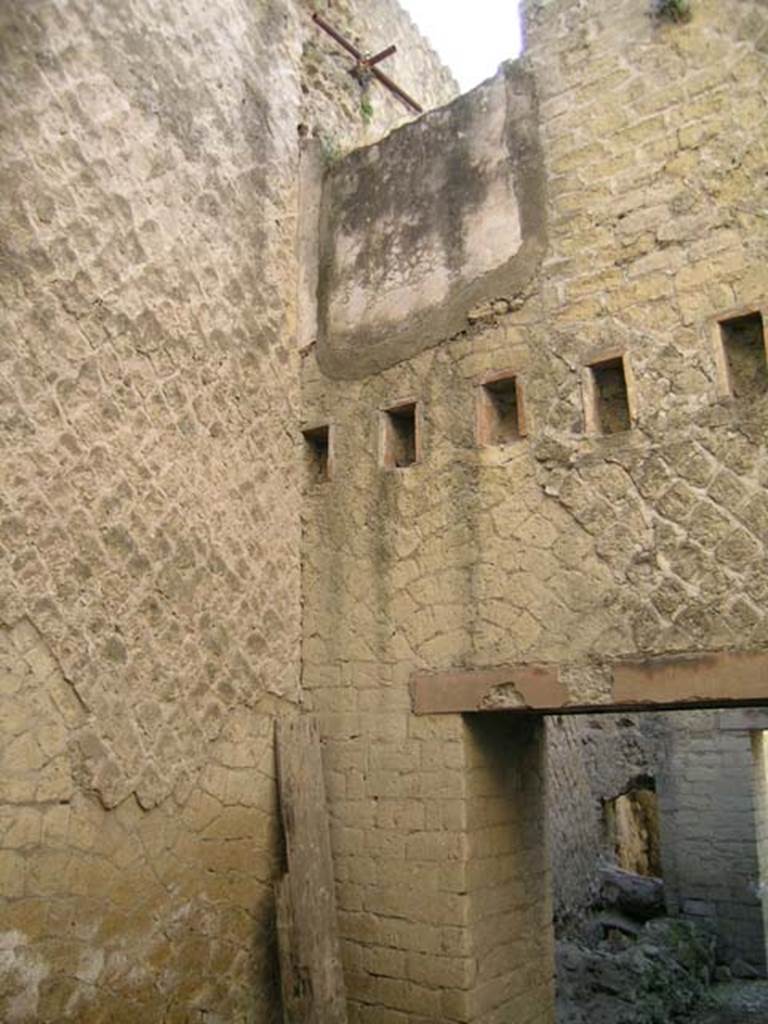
(367, 64)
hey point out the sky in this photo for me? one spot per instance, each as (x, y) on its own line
(471, 36)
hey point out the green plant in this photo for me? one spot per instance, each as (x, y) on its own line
(672, 10)
(331, 148)
(366, 109)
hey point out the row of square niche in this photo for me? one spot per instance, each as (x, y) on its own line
(608, 392)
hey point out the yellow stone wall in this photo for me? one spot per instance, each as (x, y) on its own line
(566, 547)
(129, 914)
(151, 518)
(150, 487)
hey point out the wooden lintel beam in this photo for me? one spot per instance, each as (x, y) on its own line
(706, 679)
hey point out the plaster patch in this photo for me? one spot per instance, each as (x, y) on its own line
(417, 231)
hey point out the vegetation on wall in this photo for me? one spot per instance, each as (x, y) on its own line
(366, 108)
(672, 10)
(330, 147)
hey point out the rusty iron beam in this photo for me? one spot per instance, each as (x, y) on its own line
(368, 63)
(345, 43)
(400, 93)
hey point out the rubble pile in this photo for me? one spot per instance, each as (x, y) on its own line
(630, 965)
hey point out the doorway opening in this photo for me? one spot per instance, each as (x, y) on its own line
(658, 825)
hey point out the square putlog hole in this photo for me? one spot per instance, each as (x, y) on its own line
(400, 436)
(317, 448)
(500, 418)
(610, 397)
(743, 340)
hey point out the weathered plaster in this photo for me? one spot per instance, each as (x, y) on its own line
(443, 215)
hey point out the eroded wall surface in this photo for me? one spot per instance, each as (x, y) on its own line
(566, 547)
(149, 508)
(420, 229)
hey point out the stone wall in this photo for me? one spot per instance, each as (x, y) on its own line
(151, 479)
(567, 545)
(508, 877)
(653, 237)
(712, 824)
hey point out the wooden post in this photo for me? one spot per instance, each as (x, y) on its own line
(310, 963)
(293, 984)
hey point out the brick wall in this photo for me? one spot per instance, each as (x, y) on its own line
(509, 879)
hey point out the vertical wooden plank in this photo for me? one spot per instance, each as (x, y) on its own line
(292, 983)
(306, 896)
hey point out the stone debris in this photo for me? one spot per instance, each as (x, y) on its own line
(637, 895)
(739, 1002)
(651, 979)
